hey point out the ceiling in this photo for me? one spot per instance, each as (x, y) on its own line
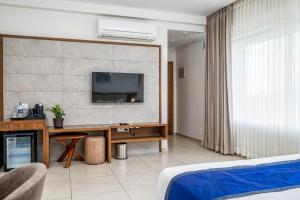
(180, 38)
(196, 7)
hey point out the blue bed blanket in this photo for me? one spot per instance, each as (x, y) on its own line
(233, 182)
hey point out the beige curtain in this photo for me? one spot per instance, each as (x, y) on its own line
(218, 61)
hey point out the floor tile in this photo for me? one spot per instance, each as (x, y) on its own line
(105, 196)
(129, 166)
(57, 190)
(159, 165)
(78, 163)
(88, 171)
(143, 194)
(156, 156)
(138, 180)
(95, 185)
(57, 172)
(138, 175)
(205, 157)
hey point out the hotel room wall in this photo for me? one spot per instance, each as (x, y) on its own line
(74, 24)
(191, 90)
(51, 72)
(51, 23)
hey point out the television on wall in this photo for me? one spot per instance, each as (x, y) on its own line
(108, 87)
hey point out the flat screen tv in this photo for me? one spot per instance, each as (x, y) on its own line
(110, 87)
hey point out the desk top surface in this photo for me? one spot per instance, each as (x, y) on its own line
(137, 125)
(99, 127)
(78, 128)
(25, 121)
(39, 124)
(22, 125)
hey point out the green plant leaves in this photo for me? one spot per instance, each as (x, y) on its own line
(58, 111)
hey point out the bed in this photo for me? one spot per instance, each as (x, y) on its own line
(167, 177)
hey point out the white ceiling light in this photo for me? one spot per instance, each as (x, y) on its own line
(178, 39)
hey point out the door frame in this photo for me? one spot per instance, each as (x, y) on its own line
(170, 97)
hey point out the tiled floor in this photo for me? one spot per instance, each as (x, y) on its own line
(131, 179)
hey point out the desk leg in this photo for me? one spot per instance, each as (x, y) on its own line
(108, 145)
(46, 147)
(164, 133)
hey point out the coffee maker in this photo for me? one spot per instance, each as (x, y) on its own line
(37, 112)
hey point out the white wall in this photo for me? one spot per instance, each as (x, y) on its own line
(191, 90)
(108, 10)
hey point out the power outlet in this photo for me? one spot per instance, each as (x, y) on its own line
(123, 130)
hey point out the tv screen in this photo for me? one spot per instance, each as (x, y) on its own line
(110, 87)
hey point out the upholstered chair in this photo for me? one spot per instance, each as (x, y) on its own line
(23, 183)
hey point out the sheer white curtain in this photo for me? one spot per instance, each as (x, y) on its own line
(266, 77)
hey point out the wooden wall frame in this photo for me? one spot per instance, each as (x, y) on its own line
(73, 40)
(1, 80)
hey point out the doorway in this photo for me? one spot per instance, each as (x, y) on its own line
(186, 65)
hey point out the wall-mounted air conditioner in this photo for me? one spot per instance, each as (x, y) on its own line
(118, 29)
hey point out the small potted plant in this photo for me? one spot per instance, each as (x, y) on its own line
(58, 112)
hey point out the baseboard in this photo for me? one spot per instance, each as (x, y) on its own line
(183, 135)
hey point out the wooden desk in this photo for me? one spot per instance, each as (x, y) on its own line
(28, 125)
(140, 132)
(79, 128)
(22, 125)
(145, 132)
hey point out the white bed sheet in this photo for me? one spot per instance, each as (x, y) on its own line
(167, 174)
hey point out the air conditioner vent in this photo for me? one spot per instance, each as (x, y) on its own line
(128, 30)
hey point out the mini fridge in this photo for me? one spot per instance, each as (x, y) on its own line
(19, 148)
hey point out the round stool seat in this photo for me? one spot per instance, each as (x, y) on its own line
(69, 136)
(94, 150)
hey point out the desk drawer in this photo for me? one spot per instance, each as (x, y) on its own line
(4, 127)
(21, 126)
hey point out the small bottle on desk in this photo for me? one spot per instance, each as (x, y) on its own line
(20, 109)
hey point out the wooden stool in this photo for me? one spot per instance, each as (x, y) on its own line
(94, 150)
(69, 148)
